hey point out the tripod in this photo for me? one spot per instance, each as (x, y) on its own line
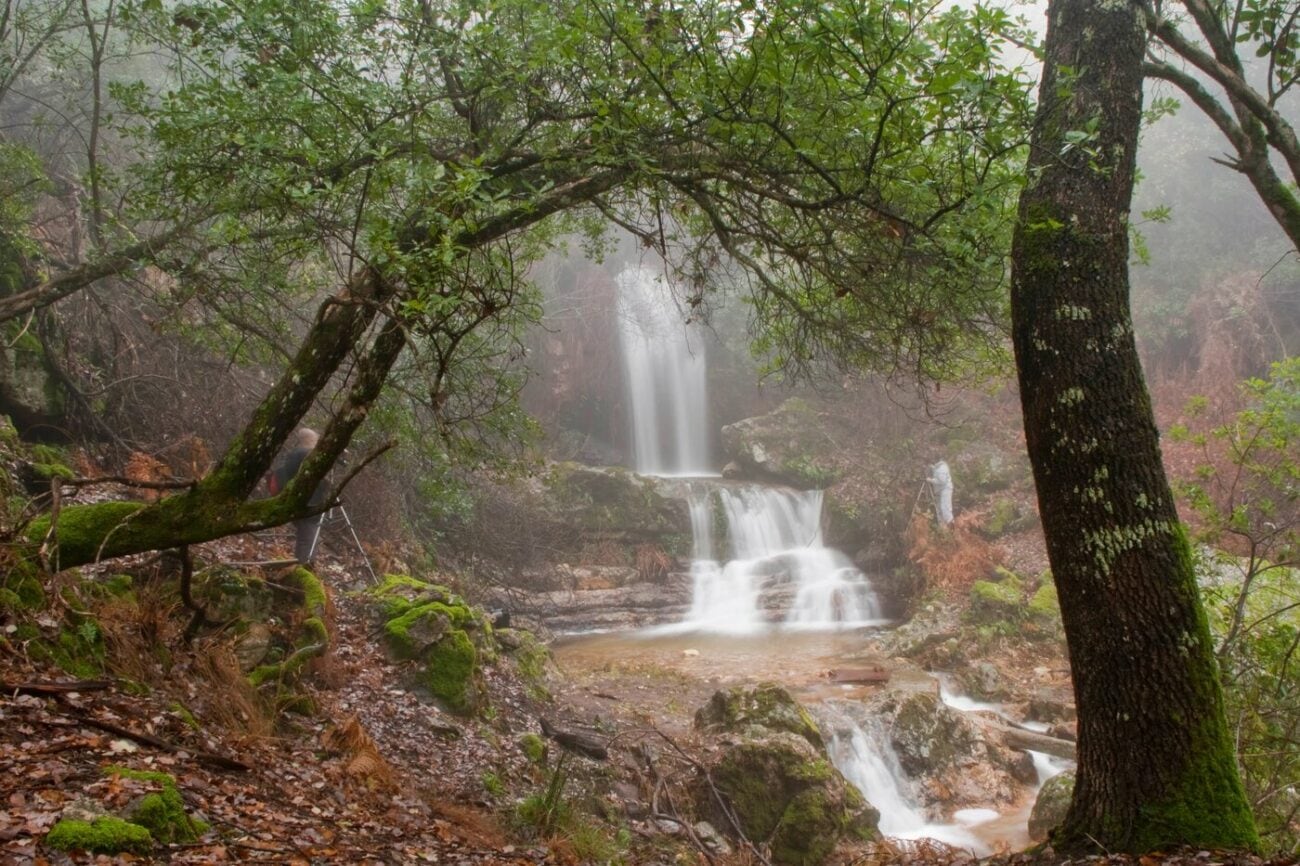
(339, 514)
(927, 492)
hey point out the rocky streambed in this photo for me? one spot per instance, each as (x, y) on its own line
(966, 775)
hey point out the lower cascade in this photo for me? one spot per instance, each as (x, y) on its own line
(777, 568)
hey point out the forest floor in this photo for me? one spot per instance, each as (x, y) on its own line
(365, 770)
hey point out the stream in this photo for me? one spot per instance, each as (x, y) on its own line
(770, 601)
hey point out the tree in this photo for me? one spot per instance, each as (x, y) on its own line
(1208, 39)
(1156, 763)
(1245, 497)
(856, 159)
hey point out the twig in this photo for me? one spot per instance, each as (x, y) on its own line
(352, 473)
(179, 484)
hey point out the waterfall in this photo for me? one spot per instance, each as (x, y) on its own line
(665, 371)
(778, 568)
(867, 759)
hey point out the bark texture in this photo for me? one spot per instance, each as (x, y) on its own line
(1156, 766)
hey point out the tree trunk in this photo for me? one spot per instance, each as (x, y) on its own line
(1156, 766)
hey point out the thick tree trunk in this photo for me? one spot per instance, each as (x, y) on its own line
(1156, 766)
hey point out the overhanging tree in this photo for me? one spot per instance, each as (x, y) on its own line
(1197, 48)
(1156, 765)
(855, 157)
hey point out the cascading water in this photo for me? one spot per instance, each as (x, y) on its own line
(777, 564)
(666, 379)
(777, 561)
(868, 761)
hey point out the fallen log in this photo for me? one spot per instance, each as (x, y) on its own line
(580, 742)
(1020, 738)
(45, 688)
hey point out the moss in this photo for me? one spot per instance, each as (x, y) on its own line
(808, 830)
(534, 748)
(766, 705)
(991, 601)
(82, 529)
(398, 594)
(106, 835)
(1044, 604)
(449, 670)
(26, 591)
(314, 599)
(186, 716)
(432, 620)
(162, 812)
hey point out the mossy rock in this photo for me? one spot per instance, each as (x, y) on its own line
(430, 624)
(161, 812)
(106, 835)
(611, 500)
(291, 653)
(21, 588)
(765, 706)
(783, 789)
(530, 657)
(231, 595)
(1044, 609)
(928, 736)
(1051, 805)
(1001, 601)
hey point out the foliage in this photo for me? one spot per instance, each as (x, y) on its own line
(1245, 497)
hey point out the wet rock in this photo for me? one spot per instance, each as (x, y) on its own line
(1048, 707)
(631, 606)
(733, 470)
(766, 706)
(615, 503)
(711, 838)
(929, 736)
(774, 774)
(984, 681)
(783, 446)
(1050, 807)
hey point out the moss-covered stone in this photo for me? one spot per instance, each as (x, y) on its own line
(161, 812)
(785, 445)
(1051, 805)
(106, 835)
(614, 501)
(928, 736)
(530, 657)
(782, 789)
(766, 706)
(1044, 609)
(21, 587)
(1001, 601)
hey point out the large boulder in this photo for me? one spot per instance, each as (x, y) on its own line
(617, 504)
(766, 706)
(772, 770)
(785, 445)
(949, 760)
(1050, 807)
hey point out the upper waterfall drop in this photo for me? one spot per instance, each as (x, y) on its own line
(666, 375)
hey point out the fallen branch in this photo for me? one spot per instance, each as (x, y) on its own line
(577, 741)
(209, 758)
(56, 688)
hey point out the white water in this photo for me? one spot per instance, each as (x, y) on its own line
(777, 568)
(867, 760)
(665, 372)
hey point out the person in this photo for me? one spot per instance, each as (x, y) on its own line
(941, 484)
(306, 529)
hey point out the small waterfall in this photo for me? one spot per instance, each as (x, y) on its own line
(665, 370)
(777, 563)
(867, 759)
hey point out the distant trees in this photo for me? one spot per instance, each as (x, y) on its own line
(407, 161)
(1156, 764)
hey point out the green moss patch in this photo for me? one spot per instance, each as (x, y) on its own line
(428, 623)
(106, 835)
(162, 812)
